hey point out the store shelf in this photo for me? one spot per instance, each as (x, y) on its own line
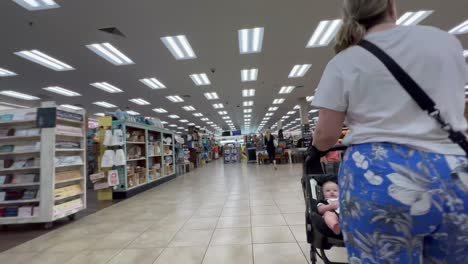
(168, 155)
(19, 220)
(68, 150)
(152, 156)
(20, 137)
(74, 211)
(17, 122)
(19, 201)
(139, 185)
(134, 142)
(66, 197)
(167, 144)
(19, 169)
(14, 185)
(137, 159)
(69, 120)
(69, 165)
(70, 180)
(19, 153)
(69, 135)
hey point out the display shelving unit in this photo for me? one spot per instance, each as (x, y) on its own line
(155, 164)
(51, 184)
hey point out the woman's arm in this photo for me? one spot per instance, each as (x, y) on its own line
(328, 129)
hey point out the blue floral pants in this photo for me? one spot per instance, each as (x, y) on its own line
(400, 205)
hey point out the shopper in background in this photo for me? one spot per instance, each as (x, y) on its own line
(399, 203)
(270, 147)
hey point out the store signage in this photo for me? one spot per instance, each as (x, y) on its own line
(113, 177)
(46, 117)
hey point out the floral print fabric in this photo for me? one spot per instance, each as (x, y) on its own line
(401, 205)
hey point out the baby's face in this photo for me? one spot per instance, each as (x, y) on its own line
(330, 190)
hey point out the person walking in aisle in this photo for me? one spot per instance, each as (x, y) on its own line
(271, 148)
(400, 200)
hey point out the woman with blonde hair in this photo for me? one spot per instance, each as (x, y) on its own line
(399, 200)
(270, 147)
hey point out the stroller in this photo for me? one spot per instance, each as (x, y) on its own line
(319, 236)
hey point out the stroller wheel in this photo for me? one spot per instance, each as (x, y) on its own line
(313, 256)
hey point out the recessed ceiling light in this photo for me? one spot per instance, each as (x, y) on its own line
(285, 117)
(44, 60)
(297, 107)
(35, 5)
(175, 98)
(160, 110)
(62, 91)
(19, 95)
(286, 89)
(153, 83)
(211, 96)
(247, 111)
(174, 116)
(5, 73)
(110, 53)
(269, 114)
(324, 33)
(248, 92)
(198, 114)
(180, 128)
(247, 120)
(200, 79)
(250, 40)
(105, 104)
(204, 119)
(248, 103)
(130, 112)
(299, 70)
(272, 109)
(460, 29)
(164, 122)
(190, 124)
(209, 123)
(100, 114)
(249, 75)
(297, 119)
(179, 47)
(266, 118)
(107, 87)
(247, 116)
(413, 18)
(198, 126)
(313, 111)
(172, 125)
(309, 98)
(139, 101)
(183, 121)
(72, 107)
(188, 108)
(291, 112)
(278, 101)
(218, 106)
(226, 117)
(222, 112)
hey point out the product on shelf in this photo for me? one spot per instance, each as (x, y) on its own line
(62, 161)
(67, 191)
(29, 116)
(134, 152)
(67, 175)
(20, 163)
(67, 145)
(69, 130)
(67, 208)
(20, 147)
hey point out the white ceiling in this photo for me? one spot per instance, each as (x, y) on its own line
(211, 28)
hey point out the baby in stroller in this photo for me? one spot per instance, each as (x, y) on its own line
(329, 207)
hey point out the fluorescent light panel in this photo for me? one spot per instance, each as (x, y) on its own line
(211, 96)
(218, 106)
(248, 92)
(278, 101)
(299, 70)
(175, 98)
(460, 29)
(269, 114)
(61, 91)
(100, 114)
(247, 111)
(35, 5)
(313, 111)
(250, 40)
(174, 116)
(19, 95)
(414, 18)
(107, 87)
(72, 107)
(198, 114)
(179, 47)
(160, 110)
(272, 109)
(200, 79)
(465, 53)
(188, 108)
(222, 112)
(309, 98)
(104, 104)
(110, 53)
(226, 117)
(248, 103)
(5, 73)
(153, 83)
(249, 75)
(139, 101)
(204, 119)
(286, 89)
(183, 121)
(130, 112)
(324, 33)
(44, 60)
(291, 112)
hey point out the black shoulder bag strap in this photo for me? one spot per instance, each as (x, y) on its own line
(416, 92)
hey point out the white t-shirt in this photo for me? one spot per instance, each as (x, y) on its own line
(378, 109)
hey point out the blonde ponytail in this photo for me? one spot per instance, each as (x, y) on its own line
(358, 17)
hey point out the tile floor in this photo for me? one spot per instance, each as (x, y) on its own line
(230, 214)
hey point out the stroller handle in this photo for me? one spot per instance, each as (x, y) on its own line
(337, 148)
(312, 163)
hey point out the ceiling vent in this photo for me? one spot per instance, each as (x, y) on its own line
(113, 31)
